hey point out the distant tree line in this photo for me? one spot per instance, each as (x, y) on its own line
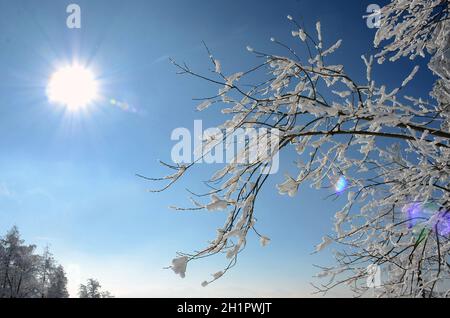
(26, 274)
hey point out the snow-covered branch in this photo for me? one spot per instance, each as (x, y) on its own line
(391, 151)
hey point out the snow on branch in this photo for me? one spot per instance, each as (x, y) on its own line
(389, 154)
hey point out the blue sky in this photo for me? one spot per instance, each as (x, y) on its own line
(69, 180)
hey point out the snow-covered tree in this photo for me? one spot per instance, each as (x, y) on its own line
(58, 283)
(18, 267)
(25, 274)
(388, 153)
(51, 277)
(44, 270)
(92, 289)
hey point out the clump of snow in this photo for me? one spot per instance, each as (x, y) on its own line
(179, 266)
(264, 241)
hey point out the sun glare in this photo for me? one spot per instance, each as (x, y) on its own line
(72, 86)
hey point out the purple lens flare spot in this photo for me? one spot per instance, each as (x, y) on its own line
(414, 214)
(431, 215)
(443, 224)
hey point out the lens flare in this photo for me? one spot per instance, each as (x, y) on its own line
(341, 185)
(414, 213)
(443, 223)
(427, 216)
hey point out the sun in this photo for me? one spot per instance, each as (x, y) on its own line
(73, 86)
